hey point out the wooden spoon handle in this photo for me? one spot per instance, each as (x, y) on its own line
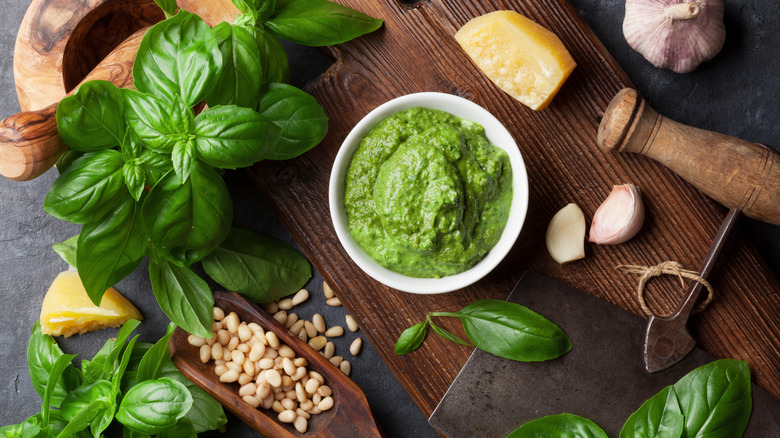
(29, 141)
(737, 173)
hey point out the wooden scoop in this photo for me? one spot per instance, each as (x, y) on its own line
(737, 173)
(349, 417)
(29, 141)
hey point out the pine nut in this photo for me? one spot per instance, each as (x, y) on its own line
(273, 340)
(238, 357)
(290, 393)
(248, 389)
(311, 330)
(244, 348)
(287, 416)
(218, 314)
(352, 325)
(336, 360)
(268, 402)
(244, 333)
(233, 366)
(277, 406)
(327, 290)
(287, 383)
(233, 344)
(325, 404)
(333, 302)
(300, 393)
(329, 350)
(285, 304)
(296, 328)
(281, 316)
(288, 404)
(300, 362)
(288, 366)
(286, 351)
(307, 405)
(229, 376)
(223, 337)
(249, 367)
(271, 307)
(219, 370)
(273, 378)
(319, 322)
(301, 424)
(291, 319)
(244, 378)
(210, 341)
(318, 342)
(216, 351)
(196, 341)
(324, 391)
(256, 352)
(216, 326)
(271, 353)
(266, 363)
(300, 297)
(302, 413)
(334, 331)
(300, 373)
(254, 327)
(303, 336)
(345, 367)
(355, 347)
(263, 390)
(253, 401)
(312, 386)
(205, 353)
(232, 322)
(318, 376)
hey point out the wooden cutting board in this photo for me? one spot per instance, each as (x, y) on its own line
(415, 51)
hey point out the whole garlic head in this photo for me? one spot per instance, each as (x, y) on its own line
(674, 34)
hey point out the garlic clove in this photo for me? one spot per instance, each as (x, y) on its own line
(566, 235)
(619, 217)
(675, 34)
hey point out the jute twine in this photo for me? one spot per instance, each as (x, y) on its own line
(666, 268)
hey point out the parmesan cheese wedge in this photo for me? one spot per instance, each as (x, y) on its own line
(67, 309)
(520, 56)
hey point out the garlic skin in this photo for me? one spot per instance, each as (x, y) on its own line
(566, 235)
(619, 217)
(673, 34)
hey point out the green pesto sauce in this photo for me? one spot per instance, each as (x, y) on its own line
(427, 194)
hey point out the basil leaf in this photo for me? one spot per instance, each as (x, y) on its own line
(135, 179)
(154, 164)
(110, 361)
(183, 296)
(512, 331)
(154, 405)
(111, 249)
(168, 7)
(119, 372)
(178, 56)
(149, 117)
(187, 220)
(93, 117)
(183, 158)
(257, 266)
(276, 66)
(319, 22)
(80, 398)
(446, 334)
(67, 250)
(716, 399)
(238, 84)
(559, 426)
(66, 159)
(152, 363)
(411, 338)
(206, 413)
(230, 136)
(93, 370)
(90, 188)
(42, 354)
(302, 120)
(658, 417)
(84, 417)
(60, 366)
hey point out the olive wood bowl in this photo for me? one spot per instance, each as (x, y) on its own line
(350, 415)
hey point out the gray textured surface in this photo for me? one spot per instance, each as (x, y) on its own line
(737, 93)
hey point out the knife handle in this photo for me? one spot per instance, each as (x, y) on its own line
(29, 141)
(737, 173)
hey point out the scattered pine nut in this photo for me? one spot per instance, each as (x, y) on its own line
(355, 347)
(218, 314)
(318, 342)
(287, 416)
(333, 302)
(292, 318)
(319, 322)
(281, 316)
(300, 297)
(285, 304)
(352, 325)
(301, 423)
(334, 331)
(311, 331)
(327, 291)
(336, 360)
(329, 350)
(345, 367)
(271, 307)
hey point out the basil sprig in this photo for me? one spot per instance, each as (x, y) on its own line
(505, 329)
(713, 400)
(127, 383)
(143, 173)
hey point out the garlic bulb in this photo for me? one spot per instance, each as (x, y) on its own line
(673, 34)
(566, 235)
(619, 217)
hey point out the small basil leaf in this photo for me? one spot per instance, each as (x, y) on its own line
(512, 331)
(238, 84)
(183, 296)
(93, 370)
(135, 179)
(448, 335)
(65, 160)
(111, 249)
(229, 136)
(187, 220)
(67, 250)
(132, 147)
(265, 8)
(168, 7)
(42, 354)
(152, 363)
(155, 165)
(149, 117)
(276, 66)
(119, 372)
(182, 117)
(411, 338)
(716, 399)
(257, 266)
(93, 117)
(319, 22)
(84, 417)
(154, 405)
(658, 417)
(183, 158)
(178, 56)
(57, 370)
(82, 396)
(302, 120)
(90, 188)
(110, 362)
(559, 426)
(206, 413)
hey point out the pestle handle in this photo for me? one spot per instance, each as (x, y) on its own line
(29, 141)
(737, 173)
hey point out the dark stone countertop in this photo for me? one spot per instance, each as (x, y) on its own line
(737, 93)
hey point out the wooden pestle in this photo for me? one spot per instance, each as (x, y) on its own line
(737, 173)
(29, 141)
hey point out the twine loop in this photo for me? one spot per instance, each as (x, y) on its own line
(666, 268)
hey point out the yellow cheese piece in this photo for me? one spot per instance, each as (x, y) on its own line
(67, 309)
(523, 58)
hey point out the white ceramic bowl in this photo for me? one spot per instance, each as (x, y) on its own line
(496, 133)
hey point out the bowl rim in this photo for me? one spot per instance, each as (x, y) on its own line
(495, 131)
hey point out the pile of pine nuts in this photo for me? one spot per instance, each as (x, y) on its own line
(268, 372)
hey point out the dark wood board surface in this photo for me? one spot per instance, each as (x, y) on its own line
(415, 51)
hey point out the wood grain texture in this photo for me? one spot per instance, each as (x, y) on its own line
(415, 51)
